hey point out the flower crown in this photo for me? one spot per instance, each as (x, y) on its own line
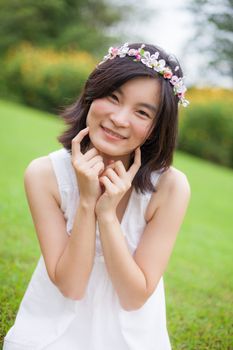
(151, 61)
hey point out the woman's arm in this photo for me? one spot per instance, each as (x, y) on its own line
(68, 261)
(136, 277)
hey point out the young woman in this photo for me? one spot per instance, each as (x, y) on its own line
(107, 208)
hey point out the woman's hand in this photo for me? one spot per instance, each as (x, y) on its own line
(87, 167)
(116, 181)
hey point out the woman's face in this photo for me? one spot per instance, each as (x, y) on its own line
(121, 122)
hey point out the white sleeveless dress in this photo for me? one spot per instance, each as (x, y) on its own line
(47, 320)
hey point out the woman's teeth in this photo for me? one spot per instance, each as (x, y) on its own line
(113, 133)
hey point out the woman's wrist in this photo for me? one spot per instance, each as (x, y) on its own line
(87, 204)
(106, 216)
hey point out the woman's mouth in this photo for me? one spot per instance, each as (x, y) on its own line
(112, 134)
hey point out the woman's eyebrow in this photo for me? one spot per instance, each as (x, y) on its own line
(120, 91)
(143, 104)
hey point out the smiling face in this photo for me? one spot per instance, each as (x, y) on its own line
(121, 122)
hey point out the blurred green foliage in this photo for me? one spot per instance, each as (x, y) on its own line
(44, 78)
(62, 24)
(206, 130)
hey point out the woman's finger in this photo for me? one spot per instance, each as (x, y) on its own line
(98, 168)
(93, 161)
(75, 145)
(111, 165)
(136, 164)
(107, 183)
(90, 154)
(120, 169)
(113, 177)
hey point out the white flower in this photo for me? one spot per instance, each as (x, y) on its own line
(155, 56)
(180, 87)
(123, 50)
(159, 66)
(146, 59)
(184, 102)
(174, 80)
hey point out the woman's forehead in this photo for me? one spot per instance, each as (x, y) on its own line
(143, 89)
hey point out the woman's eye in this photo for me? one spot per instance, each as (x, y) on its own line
(113, 97)
(145, 114)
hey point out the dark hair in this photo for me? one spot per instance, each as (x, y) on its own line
(157, 151)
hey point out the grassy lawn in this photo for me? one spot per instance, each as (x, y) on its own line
(199, 282)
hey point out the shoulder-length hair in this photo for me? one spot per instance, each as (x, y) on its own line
(157, 151)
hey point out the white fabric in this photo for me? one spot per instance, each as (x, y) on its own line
(49, 321)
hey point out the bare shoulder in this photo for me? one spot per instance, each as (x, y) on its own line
(39, 165)
(39, 173)
(173, 185)
(174, 180)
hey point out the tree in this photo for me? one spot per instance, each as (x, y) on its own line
(77, 24)
(214, 34)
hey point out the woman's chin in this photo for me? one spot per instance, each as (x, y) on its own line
(108, 152)
(108, 149)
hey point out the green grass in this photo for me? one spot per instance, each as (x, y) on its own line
(198, 280)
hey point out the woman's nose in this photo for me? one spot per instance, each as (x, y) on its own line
(120, 118)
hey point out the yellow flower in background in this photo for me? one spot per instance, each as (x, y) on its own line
(209, 94)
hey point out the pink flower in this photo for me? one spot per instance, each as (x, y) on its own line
(167, 75)
(138, 57)
(114, 52)
(132, 52)
(180, 94)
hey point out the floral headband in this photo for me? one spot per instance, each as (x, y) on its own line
(151, 61)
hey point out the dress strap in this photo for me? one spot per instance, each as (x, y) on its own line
(61, 162)
(155, 175)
